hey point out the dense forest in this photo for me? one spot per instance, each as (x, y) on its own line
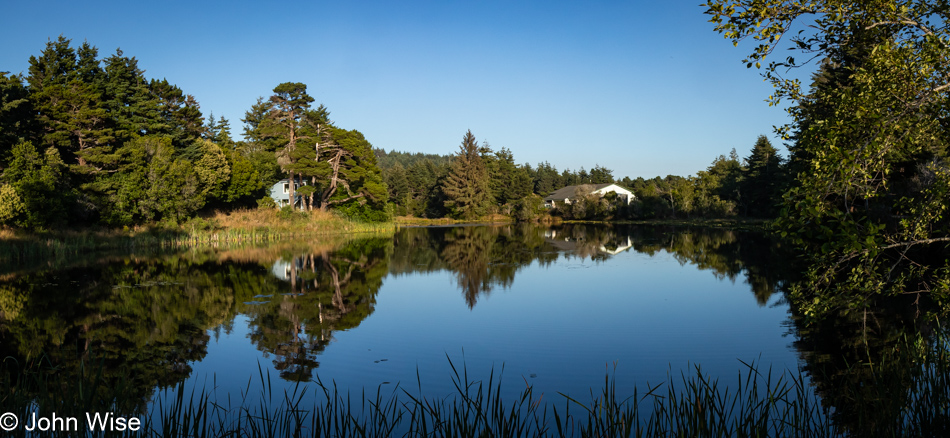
(85, 140)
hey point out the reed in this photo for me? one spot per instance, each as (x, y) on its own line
(758, 403)
(694, 405)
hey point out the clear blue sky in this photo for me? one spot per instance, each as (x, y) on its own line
(642, 88)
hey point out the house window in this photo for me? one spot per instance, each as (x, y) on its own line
(286, 188)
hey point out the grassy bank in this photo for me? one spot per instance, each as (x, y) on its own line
(422, 222)
(239, 228)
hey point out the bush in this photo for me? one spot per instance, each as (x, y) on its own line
(10, 204)
(266, 203)
(529, 208)
(367, 212)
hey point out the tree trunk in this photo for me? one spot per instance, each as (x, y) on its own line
(291, 190)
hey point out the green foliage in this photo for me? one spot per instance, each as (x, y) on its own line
(153, 184)
(399, 190)
(508, 181)
(245, 181)
(529, 208)
(212, 170)
(67, 90)
(763, 181)
(601, 175)
(133, 107)
(868, 204)
(266, 203)
(390, 159)
(10, 204)
(364, 212)
(40, 185)
(350, 174)
(17, 116)
(466, 187)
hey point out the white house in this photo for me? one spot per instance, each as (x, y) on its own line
(280, 192)
(565, 194)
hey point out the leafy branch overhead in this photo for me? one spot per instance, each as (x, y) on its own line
(868, 139)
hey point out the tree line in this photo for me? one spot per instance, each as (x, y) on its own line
(85, 140)
(478, 180)
(93, 141)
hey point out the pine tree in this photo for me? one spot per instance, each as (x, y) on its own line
(130, 103)
(349, 173)
(284, 120)
(66, 91)
(17, 117)
(466, 187)
(761, 182)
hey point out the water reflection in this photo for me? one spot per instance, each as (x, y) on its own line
(882, 370)
(483, 258)
(144, 321)
(328, 291)
(150, 319)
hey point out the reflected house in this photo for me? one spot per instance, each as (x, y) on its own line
(280, 192)
(565, 242)
(566, 194)
(281, 269)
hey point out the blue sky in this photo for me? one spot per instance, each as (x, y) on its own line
(642, 88)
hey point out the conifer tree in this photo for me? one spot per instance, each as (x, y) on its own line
(17, 117)
(350, 174)
(761, 181)
(466, 187)
(130, 103)
(284, 120)
(66, 92)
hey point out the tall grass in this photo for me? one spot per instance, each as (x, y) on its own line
(760, 403)
(234, 229)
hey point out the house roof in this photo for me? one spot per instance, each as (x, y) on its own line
(569, 191)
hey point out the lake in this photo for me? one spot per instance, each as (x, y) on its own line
(558, 308)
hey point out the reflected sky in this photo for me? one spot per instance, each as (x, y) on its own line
(558, 323)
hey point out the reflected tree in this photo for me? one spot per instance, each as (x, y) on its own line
(322, 292)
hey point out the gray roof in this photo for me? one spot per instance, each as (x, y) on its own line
(569, 191)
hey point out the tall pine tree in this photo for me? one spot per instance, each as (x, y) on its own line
(466, 187)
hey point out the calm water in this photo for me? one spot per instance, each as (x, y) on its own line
(554, 307)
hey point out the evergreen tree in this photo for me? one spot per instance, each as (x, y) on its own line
(398, 184)
(130, 103)
(284, 121)
(601, 175)
(17, 116)
(223, 134)
(762, 180)
(508, 181)
(466, 187)
(350, 178)
(180, 116)
(546, 179)
(66, 91)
